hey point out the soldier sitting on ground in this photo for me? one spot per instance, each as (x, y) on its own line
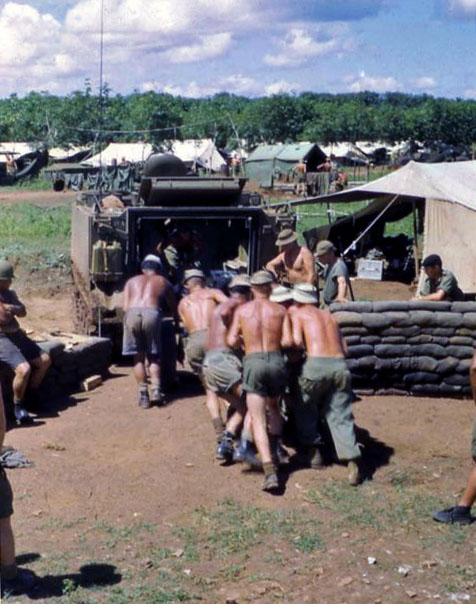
(21, 354)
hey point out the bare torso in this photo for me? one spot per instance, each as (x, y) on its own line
(145, 291)
(295, 265)
(220, 322)
(261, 325)
(317, 330)
(196, 308)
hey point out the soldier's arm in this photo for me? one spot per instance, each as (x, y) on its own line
(275, 264)
(15, 307)
(126, 296)
(5, 314)
(309, 266)
(341, 289)
(219, 296)
(287, 335)
(233, 337)
(439, 295)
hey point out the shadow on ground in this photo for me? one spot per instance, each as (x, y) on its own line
(89, 576)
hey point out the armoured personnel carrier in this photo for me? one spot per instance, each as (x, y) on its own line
(112, 234)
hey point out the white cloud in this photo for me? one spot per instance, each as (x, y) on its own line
(234, 84)
(424, 83)
(207, 47)
(299, 46)
(461, 7)
(364, 82)
(470, 93)
(281, 87)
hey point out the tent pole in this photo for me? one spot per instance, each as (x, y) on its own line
(415, 241)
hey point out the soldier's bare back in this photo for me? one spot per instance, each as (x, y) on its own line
(317, 330)
(220, 321)
(260, 322)
(145, 291)
(196, 308)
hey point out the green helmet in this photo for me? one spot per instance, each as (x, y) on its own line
(6, 270)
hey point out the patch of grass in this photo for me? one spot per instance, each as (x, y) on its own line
(120, 534)
(399, 507)
(232, 528)
(39, 235)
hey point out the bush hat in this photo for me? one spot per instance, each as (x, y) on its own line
(193, 272)
(281, 294)
(286, 236)
(324, 246)
(261, 278)
(239, 281)
(305, 293)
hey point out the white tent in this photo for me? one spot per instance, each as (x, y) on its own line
(119, 152)
(201, 151)
(449, 190)
(16, 149)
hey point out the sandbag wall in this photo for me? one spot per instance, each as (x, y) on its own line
(418, 348)
(73, 364)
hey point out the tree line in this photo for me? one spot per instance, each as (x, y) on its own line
(82, 118)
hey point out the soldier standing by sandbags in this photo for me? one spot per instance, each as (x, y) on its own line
(325, 380)
(439, 284)
(21, 354)
(336, 274)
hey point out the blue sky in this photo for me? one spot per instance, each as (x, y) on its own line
(251, 47)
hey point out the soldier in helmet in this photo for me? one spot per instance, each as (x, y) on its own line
(24, 356)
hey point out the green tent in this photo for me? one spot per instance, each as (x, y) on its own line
(268, 161)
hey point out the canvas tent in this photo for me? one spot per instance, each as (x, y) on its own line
(449, 192)
(201, 152)
(117, 152)
(268, 160)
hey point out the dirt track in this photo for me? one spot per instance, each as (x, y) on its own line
(140, 492)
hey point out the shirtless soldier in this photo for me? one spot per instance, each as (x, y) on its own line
(265, 328)
(325, 380)
(222, 368)
(295, 263)
(195, 311)
(143, 296)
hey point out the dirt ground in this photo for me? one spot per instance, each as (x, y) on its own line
(46, 198)
(126, 505)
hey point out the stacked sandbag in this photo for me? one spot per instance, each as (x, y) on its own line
(418, 347)
(71, 364)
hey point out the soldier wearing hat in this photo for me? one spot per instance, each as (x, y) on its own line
(222, 367)
(195, 310)
(294, 263)
(439, 284)
(21, 354)
(324, 382)
(142, 300)
(264, 328)
(336, 274)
